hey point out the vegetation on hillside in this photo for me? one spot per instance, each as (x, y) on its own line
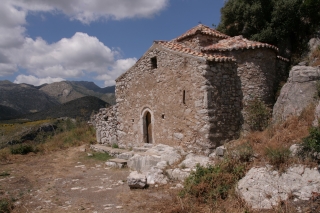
(81, 107)
(67, 133)
(213, 188)
(288, 24)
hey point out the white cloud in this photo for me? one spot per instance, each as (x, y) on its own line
(89, 11)
(69, 57)
(30, 79)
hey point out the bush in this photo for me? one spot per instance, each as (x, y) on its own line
(311, 143)
(212, 183)
(5, 205)
(258, 115)
(244, 152)
(115, 146)
(22, 149)
(278, 156)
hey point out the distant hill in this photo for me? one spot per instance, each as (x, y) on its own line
(22, 98)
(92, 86)
(81, 107)
(65, 91)
(7, 113)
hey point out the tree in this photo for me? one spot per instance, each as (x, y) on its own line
(288, 24)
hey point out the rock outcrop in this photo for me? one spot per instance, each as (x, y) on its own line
(136, 180)
(263, 188)
(298, 93)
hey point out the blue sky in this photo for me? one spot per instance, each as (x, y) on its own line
(43, 41)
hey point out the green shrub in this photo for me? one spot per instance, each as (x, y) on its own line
(209, 184)
(277, 157)
(243, 152)
(258, 115)
(115, 146)
(3, 174)
(22, 149)
(311, 143)
(5, 205)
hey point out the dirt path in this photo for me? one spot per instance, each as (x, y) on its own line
(64, 181)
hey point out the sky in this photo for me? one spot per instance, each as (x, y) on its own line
(45, 41)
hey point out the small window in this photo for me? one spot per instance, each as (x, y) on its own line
(162, 116)
(184, 97)
(132, 120)
(154, 64)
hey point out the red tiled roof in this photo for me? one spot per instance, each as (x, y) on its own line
(236, 43)
(203, 30)
(282, 58)
(182, 49)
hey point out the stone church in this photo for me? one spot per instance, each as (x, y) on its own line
(190, 91)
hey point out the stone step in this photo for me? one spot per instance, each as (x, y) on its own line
(140, 149)
(117, 163)
(118, 160)
(126, 155)
(148, 145)
(111, 151)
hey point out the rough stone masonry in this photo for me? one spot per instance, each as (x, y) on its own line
(191, 91)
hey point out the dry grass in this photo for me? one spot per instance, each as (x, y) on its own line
(78, 134)
(83, 134)
(268, 146)
(280, 136)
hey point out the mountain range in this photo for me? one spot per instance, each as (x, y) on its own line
(19, 100)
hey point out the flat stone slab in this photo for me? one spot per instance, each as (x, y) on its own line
(111, 151)
(118, 160)
(140, 149)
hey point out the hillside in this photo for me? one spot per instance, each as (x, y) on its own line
(7, 113)
(81, 107)
(69, 90)
(22, 99)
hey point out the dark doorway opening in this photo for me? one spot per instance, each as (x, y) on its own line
(148, 128)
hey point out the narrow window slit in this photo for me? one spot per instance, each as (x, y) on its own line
(184, 97)
(154, 64)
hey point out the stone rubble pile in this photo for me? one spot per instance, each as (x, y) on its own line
(105, 123)
(154, 164)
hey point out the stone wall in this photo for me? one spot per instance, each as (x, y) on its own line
(198, 41)
(176, 95)
(223, 92)
(105, 123)
(257, 71)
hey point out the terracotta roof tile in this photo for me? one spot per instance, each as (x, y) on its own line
(282, 58)
(237, 43)
(182, 49)
(203, 30)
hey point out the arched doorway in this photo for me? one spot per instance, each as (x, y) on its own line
(147, 128)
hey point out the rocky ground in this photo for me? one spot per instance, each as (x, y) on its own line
(69, 181)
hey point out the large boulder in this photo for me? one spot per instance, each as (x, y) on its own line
(192, 160)
(263, 188)
(136, 180)
(143, 162)
(299, 92)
